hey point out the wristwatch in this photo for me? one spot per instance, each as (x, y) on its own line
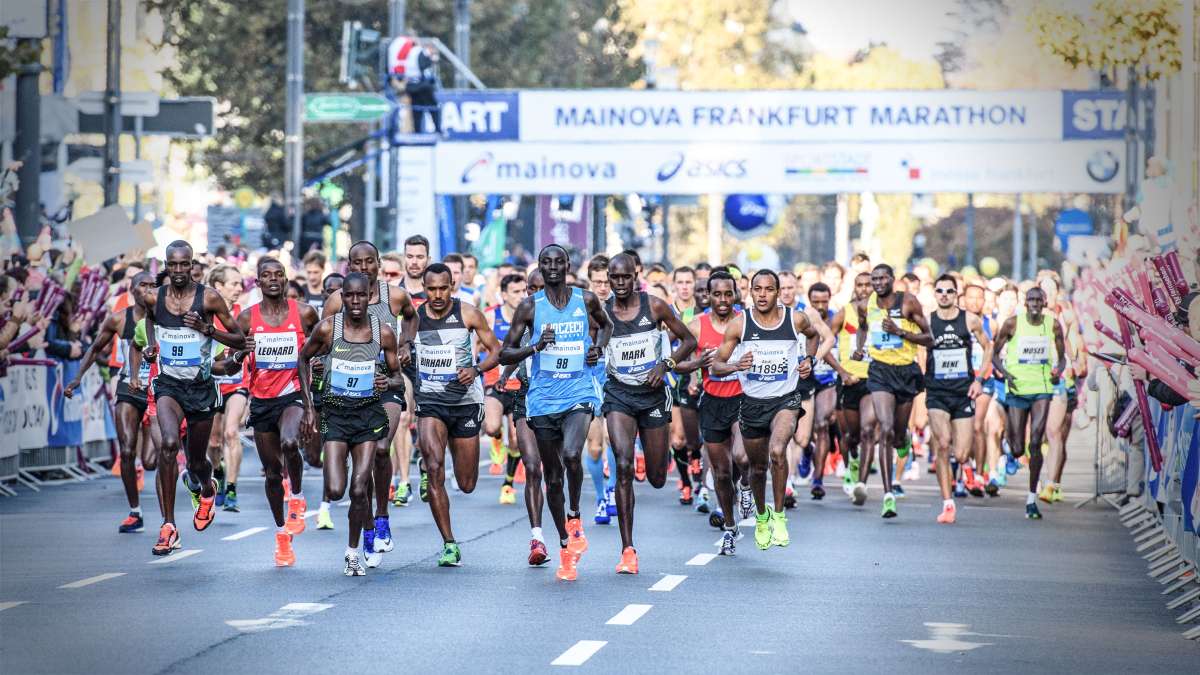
(478, 372)
(670, 363)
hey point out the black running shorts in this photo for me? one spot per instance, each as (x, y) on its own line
(718, 414)
(368, 423)
(651, 408)
(462, 421)
(139, 401)
(550, 427)
(758, 414)
(199, 400)
(265, 412)
(903, 382)
(850, 397)
(958, 405)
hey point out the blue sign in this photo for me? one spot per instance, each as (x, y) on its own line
(472, 115)
(746, 214)
(1093, 115)
(1072, 222)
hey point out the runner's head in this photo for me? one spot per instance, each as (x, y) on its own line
(684, 279)
(179, 263)
(1050, 286)
(597, 272)
(883, 280)
(945, 291)
(703, 271)
(818, 297)
(764, 288)
(1035, 302)
(722, 293)
(331, 285)
(356, 293)
(439, 286)
(832, 274)
(295, 290)
(198, 268)
(622, 276)
(535, 282)
(861, 262)
(227, 282)
(455, 262)
(391, 266)
(974, 298)
(364, 257)
(272, 278)
(554, 263)
(787, 288)
(1006, 300)
(470, 268)
(862, 286)
(513, 289)
(314, 267)
(142, 286)
(637, 261)
(416, 257)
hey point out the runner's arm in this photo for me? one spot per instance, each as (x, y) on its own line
(1061, 365)
(512, 353)
(660, 311)
(317, 344)
(483, 332)
(391, 359)
(600, 317)
(975, 325)
(860, 335)
(108, 330)
(913, 312)
(733, 336)
(151, 348)
(333, 304)
(1002, 337)
(215, 307)
(697, 361)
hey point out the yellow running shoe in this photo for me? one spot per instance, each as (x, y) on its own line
(508, 495)
(324, 521)
(1056, 495)
(779, 531)
(1047, 493)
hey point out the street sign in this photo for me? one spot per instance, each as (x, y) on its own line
(92, 169)
(133, 103)
(345, 107)
(1072, 223)
(186, 117)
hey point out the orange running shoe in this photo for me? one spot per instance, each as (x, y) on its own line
(284, 555)
(947, 515)
(116, 469)
(205, 511)
(295, 516)
(141, 477)
(576, 542)
(629, 561)
(639, 468)
(566, 565)
(685, 495)
(537, 553)
(287, 488)
(495, 469)
(168, 540)
(519, 477)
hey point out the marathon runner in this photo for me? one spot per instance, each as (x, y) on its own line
(856, 414)
(1023, 358)
(825, 375)
(416, 259)
(312, 443)
(568, 330)
(770, 366)
(598, 447)
(130, 406)
(951, 387)
(1066, 396)
(501, 398)
(974, 301)
(275, 331)
(685, 425)
(352, 420)
(180, 335)
(896, 326)
(449, 393)
(388, 304)
(636, 402)
(719, 405)
(225, 444)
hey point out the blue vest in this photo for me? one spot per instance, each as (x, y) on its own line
(559, 377)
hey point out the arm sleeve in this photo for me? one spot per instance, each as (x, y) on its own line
(139, 334)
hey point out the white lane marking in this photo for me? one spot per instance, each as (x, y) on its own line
(243, 534)
(287, 616)
(945, 639)
(579, 653)
(310, 514)
(11, 603)
(630, 614)
(668, 582)
(93, 580)
(176, 556)
(702, 558)
(746, 522)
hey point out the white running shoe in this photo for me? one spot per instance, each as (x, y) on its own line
(374, 559)
(859, 496)
(383, 545)
(840, 471)
(353, 566)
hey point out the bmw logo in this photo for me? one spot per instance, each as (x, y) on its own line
(1102, 166)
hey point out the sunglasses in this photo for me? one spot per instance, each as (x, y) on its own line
(945, 291)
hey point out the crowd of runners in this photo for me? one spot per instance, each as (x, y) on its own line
(750, 391)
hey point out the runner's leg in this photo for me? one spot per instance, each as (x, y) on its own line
(129, 427)
(431, 437)
(783, 428)
(534, 497)
(939, 425)
(169, 418)
(1037, 432)
(622, 430)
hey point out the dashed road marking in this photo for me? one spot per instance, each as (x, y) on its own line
(93, 580)
(11, 603)
(702, 558)
(627, 616)
(176, 556)
(668, 582)
(579, 653)
(746, 522)
(287, 616)
(243, 534)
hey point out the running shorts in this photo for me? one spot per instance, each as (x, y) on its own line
(903, 382)
(758, 414)
(507, 399)
(1025, 402)
(718, 414)
(550, 427)
(807, 388)
(139, 401)
(198, 400)
(850, 397)
(959, 406)
(365, 424)
(225, 399)
(396, 396)
(462, 421)
(651, 409)
(265, 412)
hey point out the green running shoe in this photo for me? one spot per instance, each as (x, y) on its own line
(762, 530)
(850, 477)
(779, 532)
(231, 500)
(324, 521)
(193, 488)
(889, 505)
(903, 452)
(451, 555)
(403, 493)
(424, 487)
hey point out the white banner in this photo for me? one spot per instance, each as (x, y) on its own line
(415, 196)
(779, 168)
(26, 417)
(608, 116)
(95, 407)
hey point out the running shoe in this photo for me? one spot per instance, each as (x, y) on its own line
(745, 501)
(193, 488)
(818, 491)
(897, 490)
(284, 555)
(1047, 494)
(537, 553)
(576, 541)
(498, 453)
(1031, 511)
(403, 493)
(850, 477)
(695, 469)
(424, 488)
(960, 491)
(974, 488)
(992, 488)
(383, 535)
(132, 523)
(496, 470)
(602, 517)
(859, 494)
(779, 531)
(451, 555)
(1012, 466)
(728, 539)
(231, 501)
(685, 495)
(889, 506)
(1001, 478)
(297, 507)
(205, 512)
(789, 498)
(946, 517)
(610, 498)
(629, 561)
(639, 468)
(219, 474)
(372, 559)
(508, 495)
(702, 503)
(168, 540)
(566, 566)
(716, 518)
(804, 468)
(354, 568)
(324, 521)
(762, 530)
(1056, 495)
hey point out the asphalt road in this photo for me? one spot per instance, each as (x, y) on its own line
(853, 592)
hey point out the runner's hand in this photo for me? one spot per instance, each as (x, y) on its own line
(745, 362)
(194, 321)
(707, 357)
(975, 390)
(805, 368)
(150, 354)
(135, 385)
(546, 339)
(850, 381)
(318, 368)
(858, 355)
(466, 376)
(694, 387)
(890, 326)
(657, 373)
(593, 355)
(249, 347)
(381, 382)
(404, 355)
(69, 390)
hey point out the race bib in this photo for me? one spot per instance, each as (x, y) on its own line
(1033, 349)
(771, 364)
(634, 354)
(179, 346)
(144, 372)
(436, 363)
(881, 339)
(950, 364)
(236, 378)
(275, 351)
(562, 359)
(822, 370)
(351, 379)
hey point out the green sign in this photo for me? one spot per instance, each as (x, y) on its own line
(345, 107)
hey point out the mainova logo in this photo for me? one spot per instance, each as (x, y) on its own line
(679, 163)
(479, 162)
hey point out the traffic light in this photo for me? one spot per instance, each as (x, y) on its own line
(360, 53)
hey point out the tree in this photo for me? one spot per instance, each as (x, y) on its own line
(1114, 34)
(17, 55)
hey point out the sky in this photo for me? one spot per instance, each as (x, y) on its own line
(913, 27)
